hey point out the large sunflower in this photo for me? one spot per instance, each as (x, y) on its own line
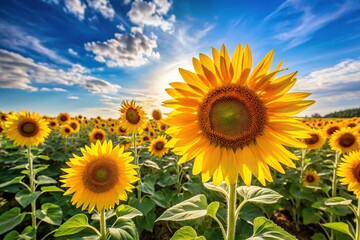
(233, 120)
(349, 171)
(157, 146)
(345, 140)
(101, 177)
(26, 129)
(133, 117)
(316, 140)
(97, 134)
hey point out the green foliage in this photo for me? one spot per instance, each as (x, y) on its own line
(186, 233)
(265, 229)
(11, 219)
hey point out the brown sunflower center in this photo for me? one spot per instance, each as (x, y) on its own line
(53, 124)
(100, 175)
(99, 136)
(356, 172)
(3, 117)
(73, 125)
(347, 140)
(351, 125)
(67, 130)
(132, 116)
(232, 116)
(312, 140)
(146, 138)
(333, 129)
(156, 115)
(63, 118)
(310, 178)
(28, 129)
(159, 146)
(1, 129)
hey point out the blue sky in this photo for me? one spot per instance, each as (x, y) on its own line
(86, 56)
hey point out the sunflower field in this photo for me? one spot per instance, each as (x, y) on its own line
(230, 161)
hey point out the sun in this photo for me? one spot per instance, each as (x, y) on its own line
(233, 120)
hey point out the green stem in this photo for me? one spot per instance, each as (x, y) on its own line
(102, 225)
(303, 154)
(357, 234)
(231, 220)
(65, 147)
(221, 226)
(333, 190)
(32, 190)
(137, 164)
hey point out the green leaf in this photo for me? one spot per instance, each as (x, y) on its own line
(339, 226)
(40, 168)
(24, 197)
(147, 207)
(147, 186)
(42, 180)
(10, 219)
(337, 201)
(192, 208)
(50, 213)
(318, 236)
(74, 225)
(124, 230)
(258, 194)
(27, 234)
(265, 229)
(12, 181)
(127, 212)
(186, 233)
(212, 209)
(221, 188)
(152, 164)
(310, 215)
(162, 198)
(51, 189)
(43, 157)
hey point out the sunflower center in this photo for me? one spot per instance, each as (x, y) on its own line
(232, 116)
(331, 130)
(312, 140)
(28, 129)
(53, 124)
(73, 126)
(347, 140)
(351, 125)
(63, 118)
(132, 116)
(356, 172)
(156, 115)
(100, 175)
(310, 178)
(159, 146)
(67, 130)
(98, 136)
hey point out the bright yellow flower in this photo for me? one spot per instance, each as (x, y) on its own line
(232, 120)
(63, 118)
(345, 140)
(74, 124)
(97, 134)
(311, 178)
(53, 123)
(156, 114)
(349, 171)
(332, 128)
(316, 140)
(26, 129)
(66, 130)
(133, 117)
(157, 146)
(100, 177)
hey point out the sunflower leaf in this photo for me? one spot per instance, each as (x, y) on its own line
(51, 189)
(12, 181)
(11, 219)
(24, 197)
(43, 180)
(152, 164)
(186, 233)
(192, 208)
(339, 226)
(50, 213)
(337, 201)
(258, 194)
(74, 225)
(127, 212)
(124, 230)
(212, 209)
(266, 229)
(27, 234)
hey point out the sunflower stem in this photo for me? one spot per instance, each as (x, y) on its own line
(303, 154)
(357, 233)
(137, 164)
(102, 225)
(231, 220)
(333, 189)
(32, 190)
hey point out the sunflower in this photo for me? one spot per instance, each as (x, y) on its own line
(144, 138)
(126, 143)
(311, 178)
(1, 128)
(162, 126)
(53, 123)
(74, 125)
(63, 118)
(157, 146)
(97, 134)
(345, 140)
(66, 130)
(3, 117)
(349, 171)
(331, 128)
(316, 140)
(133, 117)
(100, 177)
(156, 114)
(350, 123)
(26, 129)
(233, 120)
(121, 130)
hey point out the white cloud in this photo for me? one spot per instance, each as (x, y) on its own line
(18, 39)
(134, 49)
(73, 97)
(152, 14)
(75, 7)
(51, 1)
(102, 6)
(45, 89)
(19, 72)
(73, 52)
(303, 20)
(121, 27)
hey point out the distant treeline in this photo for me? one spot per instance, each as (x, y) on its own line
(348, 113)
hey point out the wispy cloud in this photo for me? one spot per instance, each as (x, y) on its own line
(73, 52)
(45, 89)
(75, 7)
(72, 97)
(296, 21)
(19, 72)
(104, 7)
(18, 39)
